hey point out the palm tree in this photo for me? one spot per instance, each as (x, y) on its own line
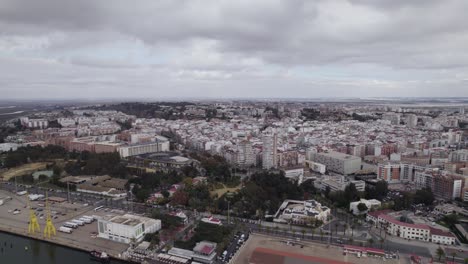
(370, 241)
(351, 240)
(303, 233)
(312, 231)
(454, 254)
(440, 253)
(345, 226)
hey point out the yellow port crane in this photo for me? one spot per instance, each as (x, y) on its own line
(49, 228)
(33, 225)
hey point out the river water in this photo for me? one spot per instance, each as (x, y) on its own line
(21, 250)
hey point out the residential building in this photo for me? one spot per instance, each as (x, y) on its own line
(245, 154)
(143, 148)
(204, 252)
(422, 232)
(269, 150)
(337, 162)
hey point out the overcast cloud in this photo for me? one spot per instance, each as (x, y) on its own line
(243, 48)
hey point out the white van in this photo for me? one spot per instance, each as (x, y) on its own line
(65, 230)
(78, 222)
(86, 220)
(70, 225)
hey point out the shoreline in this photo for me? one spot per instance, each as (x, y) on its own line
(55, 242)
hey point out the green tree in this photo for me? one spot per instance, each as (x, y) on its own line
(370, 241)
(362, 207)
(165, 193)
(440, 252)
(454, 254)
(424, 196)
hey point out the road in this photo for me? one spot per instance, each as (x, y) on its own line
(361, 232)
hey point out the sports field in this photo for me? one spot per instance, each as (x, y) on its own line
(262, 249)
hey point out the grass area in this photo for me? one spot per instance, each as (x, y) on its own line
(22, 170)
(221, 191)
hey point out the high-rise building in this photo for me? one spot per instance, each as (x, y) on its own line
(245, 155)
(269, 150)
(462, 110)
(394, 118)
(412, 120)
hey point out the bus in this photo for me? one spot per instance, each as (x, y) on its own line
(98, 208)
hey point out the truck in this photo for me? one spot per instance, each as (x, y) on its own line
(70, 225)
(78, 222)
(65, 230)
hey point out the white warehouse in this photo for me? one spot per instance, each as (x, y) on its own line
(127, 228)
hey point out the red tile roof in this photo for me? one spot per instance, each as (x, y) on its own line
(364, 249)
(396, 222)
(438, 232)
(377, 213)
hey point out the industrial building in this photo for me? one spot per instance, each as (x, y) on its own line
(127, 228)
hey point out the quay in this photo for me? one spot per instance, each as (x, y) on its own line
(83, 238)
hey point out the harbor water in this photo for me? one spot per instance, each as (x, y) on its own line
(17, 249)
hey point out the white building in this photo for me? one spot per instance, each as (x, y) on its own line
(338, 162)
(394, 118)
(388, 220)
(127, 228)
(204, 252)
(316, 167)
(299, 212)
(143, 148)
(340, 183)
(34, 123)
(295, 174)
(370, 204)
(245, 154)
(412, 120)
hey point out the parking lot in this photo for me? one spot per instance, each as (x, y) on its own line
(236, 243)
(14, 216)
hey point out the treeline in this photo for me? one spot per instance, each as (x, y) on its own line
(362, 118)
(27, 154)
(210, 232)
(216, 167)
(87, 163)
(310, 114)
(147, 110)
(265, 191)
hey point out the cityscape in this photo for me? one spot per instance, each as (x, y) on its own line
(233, 132)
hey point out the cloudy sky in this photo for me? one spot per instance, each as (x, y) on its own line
(233, 48)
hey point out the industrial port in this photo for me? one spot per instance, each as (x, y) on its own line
(19, 214)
